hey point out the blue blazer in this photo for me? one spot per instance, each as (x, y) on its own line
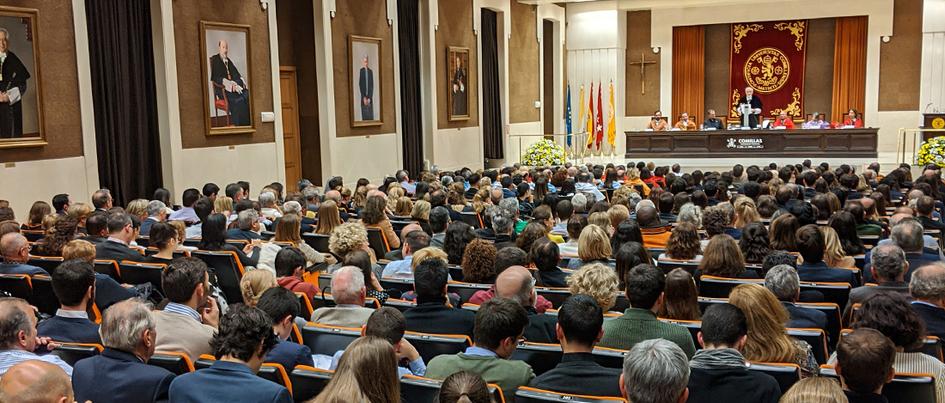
(805, 317)
(290, 354)
(226, 382)
(820, 272)
(69, 330)
(117, 376)
(20, 268)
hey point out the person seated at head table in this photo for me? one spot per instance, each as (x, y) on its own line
(816, 121)
(712, 122)
(783, 121)
(657, 123)
(853, 119)
(684, 123)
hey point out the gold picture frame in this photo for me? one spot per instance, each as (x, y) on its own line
(365, 81)
(227, 95)
(23, 123)
(457, 83)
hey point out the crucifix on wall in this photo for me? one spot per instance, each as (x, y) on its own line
(642, 63)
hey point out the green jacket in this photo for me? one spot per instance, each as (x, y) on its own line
(636, 325)
(508, 374)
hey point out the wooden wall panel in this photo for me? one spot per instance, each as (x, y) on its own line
(900, 60)
(638, 42)
(524, 67)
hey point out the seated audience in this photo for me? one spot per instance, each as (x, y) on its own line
(439, 220)
(655, 371)
(810, 244)
(629, 256)
(190, 318)
(907, 234)
(164, 238)
(63, 230)
(655, 233)
(723, 258)
(247, 226)
(596, 281)
(240, 348)
(645, 285)
(784, 283)
(754, 242)
(680, 297)
(818, 389)
(928, 288)
(157, 212)
(36, 381)
(516, 283)
(254, 283)
(500, 324)
(362, 260)
(120, 373)
(458, 236)
(289, 264)
(504, 230)
(433, 314)
(545, 256)
(107, 290)
(719, 372)
(16, 252)
(19, 340)
(767, 338)
(579, 328)
(683, 244)
(414, 240)
(888, 268)
(120, 234)
(924, 208)
(479, 262)
(366, 373)
(282, 307)
(464, 387)
(504, 259)
(593, 247)
(845, 225)
(865, 360)
(187, 213)
(213, 238)
(347, 288)
(389, 324)
(834, 255)
(73, 282)
(374, 216)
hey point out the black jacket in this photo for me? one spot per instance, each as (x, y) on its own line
(554, 278)
(934, 318)
(117, 376)
(69, 330)
(111, 250)
(578, 373)
(541, 327)
(732, 385)
(807, 318)
(435, 317)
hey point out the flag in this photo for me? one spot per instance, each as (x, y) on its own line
(599, 123)
(590, 116)
(611, 121)
(567, 116)
(581, 105)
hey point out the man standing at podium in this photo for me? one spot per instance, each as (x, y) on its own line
(755, 104)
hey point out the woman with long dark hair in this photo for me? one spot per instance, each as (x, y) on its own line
(458, 235)
(213, 238)
(754, 242)
(374, 215)
(845, 224)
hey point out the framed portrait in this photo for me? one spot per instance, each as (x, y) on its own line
(364, 59)
(21, 114)
(225, 54)
(457, 74)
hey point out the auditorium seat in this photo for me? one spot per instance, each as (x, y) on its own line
(554, 295)
(542, 357)
(43, 297)
(267, 235)
(838, 293)
(306, 306)
(932, 345)
(399, 224)
(108, 268)
(526, 394)
(228, 270)
(609, 357)
(143, 241)
(401, 284)
(817, 339)
(237, 243)
(319, 242)
(669, 265)
(176, 362)
(430, 345)
(720, 287)
(466, 290)
(327, 340)
(308, 382)
(141, 273)
(33, 235)
(904, 388)
(416, 389)
(17, 285)
(786, 374)
(378, 242)
(472, 218)
(400, 304)
(73, 352)
(326, 301)
(177, 253)
(275, 373)
(694, 327)
(48, 263)
(456, 272)
(830, 309)
(324, 282)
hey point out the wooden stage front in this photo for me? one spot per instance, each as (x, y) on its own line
(826, 143)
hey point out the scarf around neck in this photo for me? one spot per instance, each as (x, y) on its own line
(718, 359)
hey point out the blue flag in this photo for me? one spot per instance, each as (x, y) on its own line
(567, 115)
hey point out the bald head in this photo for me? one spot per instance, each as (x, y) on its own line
(410, 228)
(904, 210)
(647, 217)
(516, 283)
(14, 247)
(333, 195)
(18, 323)
(928, 283)
(496, 196)
(35, 381)
(896, 218)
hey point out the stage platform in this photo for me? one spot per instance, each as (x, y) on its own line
(766, 145)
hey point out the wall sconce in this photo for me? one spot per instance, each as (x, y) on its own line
(264, 4)
(885, 38)
(656, 49)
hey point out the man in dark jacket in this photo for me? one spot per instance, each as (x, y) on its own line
(73, 282)
(928, 288)
(718, 371)
(432, 314)
(783, 282)
(517, 283)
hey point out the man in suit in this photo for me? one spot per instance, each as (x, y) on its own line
(16, 252)
(503, 228)
(908, 235)
(712, 122)
(120, 234)
(783, 281)
(755, 104)
(121, 373)
(19, 342)
(73, 282)
(579, 328)
(157, 212)
(719, 371)
(96, 228)
(228, 83)
(247, 222)
(924, 206)
(102, 200)
(811, 245)
(190, 318)
(459, 89)
(517, 284)
(439, 220)
(500, 324)
(347, 288)
(888, 268)
(366, 88)
(13, 76)
(240, 347)
(432, 314)
(282, 306)
(928, 289)
(36, 381)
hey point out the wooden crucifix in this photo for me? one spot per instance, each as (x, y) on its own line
(642, 63)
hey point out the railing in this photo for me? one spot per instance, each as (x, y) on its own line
(907, 151)
(578, 150)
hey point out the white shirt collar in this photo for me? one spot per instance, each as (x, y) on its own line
(62, 313)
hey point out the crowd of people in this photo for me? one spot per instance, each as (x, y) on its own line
(630, 246)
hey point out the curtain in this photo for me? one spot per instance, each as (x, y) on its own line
(408, 29)
(849, 66)
(123, 92)
(688, 73)
(491, 103)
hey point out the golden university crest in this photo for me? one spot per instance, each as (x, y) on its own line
(767, 70)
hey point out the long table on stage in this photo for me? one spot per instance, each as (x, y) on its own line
(857, 143)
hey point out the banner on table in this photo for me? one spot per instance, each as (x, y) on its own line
(769, 57)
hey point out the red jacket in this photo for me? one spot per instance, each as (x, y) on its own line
(787, 123)
(858, 123)
(296, 284)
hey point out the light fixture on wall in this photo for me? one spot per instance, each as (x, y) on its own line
(656, 49)
(264, 4)
(886, 38)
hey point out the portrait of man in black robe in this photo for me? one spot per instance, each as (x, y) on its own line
(13, 85)
(228, 84)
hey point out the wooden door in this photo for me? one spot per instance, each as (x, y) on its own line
(290, 126)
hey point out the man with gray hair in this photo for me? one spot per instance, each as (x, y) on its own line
(510, 207)
(928, 289)
(120, 373)
(267, 202)
(517, 284)
(906, 234)
(157, 212)
(18, 341)
(248, 226)
(349, 293)
(655, 371)
(14, 253)
(502, 228)
(929, 243)
(579, 201)
(783, 281)
(888, 268)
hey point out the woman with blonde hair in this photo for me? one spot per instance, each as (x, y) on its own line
(420, 212)
(366, 373)
(633, 180)
(223, 205)
(596, 280)
(430, 252)
(815, 390)
(328, 217)
(347, 238)
(834, 255)
(181, 228)
(767, 338)
(601, 219)
(481, 199)
(593, 246)
(680, 297)
(254, 283)
(723, 258)
(80, 211)
(138, 207)
(394, 194)
(402, 206)
(359, 199)
(745, 212)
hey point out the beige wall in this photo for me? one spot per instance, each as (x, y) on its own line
(525, 73)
